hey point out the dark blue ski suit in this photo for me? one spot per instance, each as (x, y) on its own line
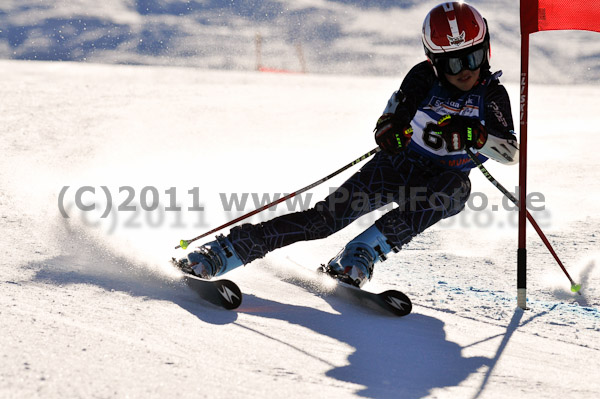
(428, 182)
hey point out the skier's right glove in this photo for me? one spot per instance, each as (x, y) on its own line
(392, 134)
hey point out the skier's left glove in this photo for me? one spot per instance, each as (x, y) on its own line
(460, 132)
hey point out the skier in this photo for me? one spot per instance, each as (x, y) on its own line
(445, 104)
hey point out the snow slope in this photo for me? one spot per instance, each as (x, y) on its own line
(89, 306)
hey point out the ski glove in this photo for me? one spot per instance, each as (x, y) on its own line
(460, 132)
(392, 134)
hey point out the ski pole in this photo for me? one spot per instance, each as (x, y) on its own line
(184, 243)
(574, 286)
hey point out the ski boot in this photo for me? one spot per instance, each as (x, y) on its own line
(212, 259)
(354, 264)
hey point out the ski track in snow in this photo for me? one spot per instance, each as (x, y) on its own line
(91, 308)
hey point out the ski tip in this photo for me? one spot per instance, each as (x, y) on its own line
(231, 295)
(223, 293)
(397, 302)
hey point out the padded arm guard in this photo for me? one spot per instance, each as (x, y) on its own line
(505, 151)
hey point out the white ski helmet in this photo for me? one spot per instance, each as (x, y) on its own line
(456, 37)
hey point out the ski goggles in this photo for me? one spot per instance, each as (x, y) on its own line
(454, 65)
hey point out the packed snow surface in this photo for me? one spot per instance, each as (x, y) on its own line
(90, 307)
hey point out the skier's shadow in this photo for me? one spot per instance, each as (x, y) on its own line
(393, 357)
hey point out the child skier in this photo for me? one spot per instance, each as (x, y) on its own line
(445, 104)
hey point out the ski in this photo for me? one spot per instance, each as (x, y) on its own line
(390, 301)
(224, 293)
